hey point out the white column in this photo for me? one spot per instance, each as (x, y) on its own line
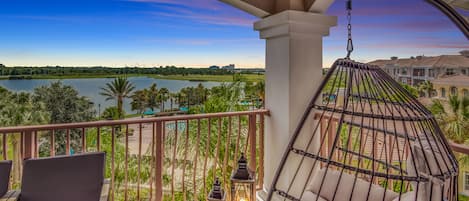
(294, 54)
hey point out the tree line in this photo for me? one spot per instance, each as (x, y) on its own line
(63, 71)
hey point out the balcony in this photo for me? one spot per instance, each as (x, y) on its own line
(164, 158)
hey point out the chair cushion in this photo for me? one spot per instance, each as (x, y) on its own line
(346, 188)
(435, 161)
(71, 178)
(5, 170)
(310, 196)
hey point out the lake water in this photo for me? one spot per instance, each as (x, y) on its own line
(92, 87)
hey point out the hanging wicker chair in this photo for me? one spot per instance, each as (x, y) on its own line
(364, 137)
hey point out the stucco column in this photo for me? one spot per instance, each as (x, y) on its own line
(294, 53)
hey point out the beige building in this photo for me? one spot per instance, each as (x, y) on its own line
(451, 85)
(416, 70)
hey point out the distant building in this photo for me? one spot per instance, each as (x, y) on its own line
(451, 86)
(416, 70)
(214, 67)
(250, 70)
(229, 67)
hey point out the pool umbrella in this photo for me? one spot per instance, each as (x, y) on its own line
(149, 112)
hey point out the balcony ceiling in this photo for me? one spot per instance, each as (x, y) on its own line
(265, 8)
(456, 10)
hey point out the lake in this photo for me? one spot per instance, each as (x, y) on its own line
(92, 87)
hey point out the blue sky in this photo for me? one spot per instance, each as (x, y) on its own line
(199, 33)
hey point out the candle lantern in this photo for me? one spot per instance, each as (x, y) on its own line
(243, 182)
(216, 194)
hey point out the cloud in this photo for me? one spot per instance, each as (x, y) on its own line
(421, 25)
(219, 17)
(207, 18)
(200, 41)
(380, 8)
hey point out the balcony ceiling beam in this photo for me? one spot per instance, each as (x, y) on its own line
(318, 6)
(265, 8)
(258, 8)
(283, 5)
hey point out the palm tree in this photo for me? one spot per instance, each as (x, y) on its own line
(426, 88)
(163, 97)
(172, 98)
(20, 109)
(139, 100)
(110, 113)
(117, 90)
(153, 95)
(201, 93)
(453, 117)
(260, 91)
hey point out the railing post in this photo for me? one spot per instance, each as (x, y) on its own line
(261, 152)
(253, 147)
(252, 139)
(159, 162)
(28, 141)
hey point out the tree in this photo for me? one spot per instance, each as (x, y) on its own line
(412, 90)
(453, 117)
(153, 95)
(426, 88)
(139, 100)
(110, 113)
(17, 109)
(225, 98)
(172, 98)
(1, 69)
(118, 90)
(202, 93)
(64, 106)
(259, 89)
(163, 96)
(64, 103)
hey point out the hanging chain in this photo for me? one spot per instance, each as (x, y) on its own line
(349, 29)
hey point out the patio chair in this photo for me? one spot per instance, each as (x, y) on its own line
(71, 178)
(5, 170)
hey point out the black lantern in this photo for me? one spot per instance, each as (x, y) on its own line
(243, 182)
(216, 194)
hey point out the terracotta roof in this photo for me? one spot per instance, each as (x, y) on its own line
(455, 80)
(438, 61)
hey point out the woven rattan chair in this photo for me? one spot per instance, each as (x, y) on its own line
(5, 170)
(71, 178)
(365, 138)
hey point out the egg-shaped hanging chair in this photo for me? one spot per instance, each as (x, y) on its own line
(365, 138)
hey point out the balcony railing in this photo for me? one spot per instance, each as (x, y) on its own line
(164, 158)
